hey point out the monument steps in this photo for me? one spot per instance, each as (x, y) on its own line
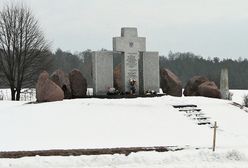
(203, 123)
(201, 118)
(191, 111)
(183, 106)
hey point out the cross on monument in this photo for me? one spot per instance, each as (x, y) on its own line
(130, 45)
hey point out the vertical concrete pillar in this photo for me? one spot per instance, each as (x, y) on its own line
(224, 86)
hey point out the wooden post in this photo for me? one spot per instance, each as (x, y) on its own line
(214, 138)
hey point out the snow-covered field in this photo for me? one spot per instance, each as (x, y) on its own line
(183, 159)
(238, 95)
(27, 94)
(140, 122)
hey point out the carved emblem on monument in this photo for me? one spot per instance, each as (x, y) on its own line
(131, 61)
(130, 44)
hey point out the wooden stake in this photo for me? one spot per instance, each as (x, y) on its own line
(214, 139)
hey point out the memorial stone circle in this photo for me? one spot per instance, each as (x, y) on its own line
(137, 73)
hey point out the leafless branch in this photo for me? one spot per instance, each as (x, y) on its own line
(23, 48)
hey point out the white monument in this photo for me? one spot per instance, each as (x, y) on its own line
(136, 64)
(130, 44)
(149, 72)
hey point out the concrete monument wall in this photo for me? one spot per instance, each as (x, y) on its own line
(102, 71)
(135, 64)
(149, 71)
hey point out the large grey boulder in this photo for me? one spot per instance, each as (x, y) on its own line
(78, 84)
(191, 88)
(201, 86)
(170, 83)
(209, 89)
(60, 78)
(47, 90)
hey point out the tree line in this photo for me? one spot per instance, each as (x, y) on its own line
(186, 65)
(59, 59)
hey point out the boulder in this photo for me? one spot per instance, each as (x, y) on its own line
(201, 86)
(62, 81)
(170, 83)
(191, 88)
(47, 90)
(78, 84)
(209, 89)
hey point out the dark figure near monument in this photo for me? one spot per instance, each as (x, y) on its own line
(132, 86)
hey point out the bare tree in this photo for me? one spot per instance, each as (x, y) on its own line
(23, 49)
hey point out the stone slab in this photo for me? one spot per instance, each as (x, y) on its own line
(129, 32)
(224, 86)
(102, 72)
(149, 72)
(127, 44)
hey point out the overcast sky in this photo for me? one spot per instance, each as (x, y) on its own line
(211, 28)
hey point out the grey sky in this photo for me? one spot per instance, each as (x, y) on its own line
(214, 28)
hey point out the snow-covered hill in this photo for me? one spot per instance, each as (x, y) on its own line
(100, 123)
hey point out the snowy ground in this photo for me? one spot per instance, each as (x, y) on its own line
(183, 159)
(238, 95)
(100, 123)
(27, 94)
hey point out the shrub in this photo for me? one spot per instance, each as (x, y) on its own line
(245, 100)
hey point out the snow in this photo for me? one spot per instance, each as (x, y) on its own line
(184, 159)
(97, 123)
(27, 94)
(140, 122)
(238, 95)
